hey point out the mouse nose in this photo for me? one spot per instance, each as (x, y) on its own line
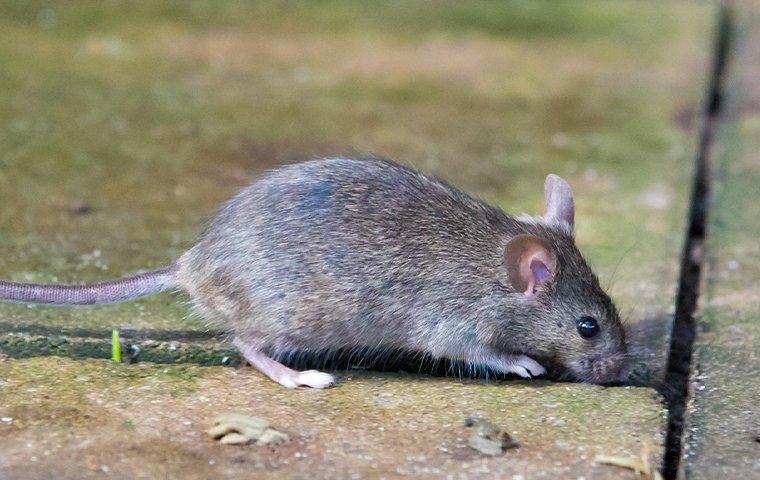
(625, 372)
(610, 369)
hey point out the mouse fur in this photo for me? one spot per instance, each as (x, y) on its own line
(365, 253)
(341, 253)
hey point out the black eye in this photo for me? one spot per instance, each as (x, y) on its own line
(587, 327)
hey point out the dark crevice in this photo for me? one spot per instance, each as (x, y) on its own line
(676, 382)
(125, 333)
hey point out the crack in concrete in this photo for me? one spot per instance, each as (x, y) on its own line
(675, 386)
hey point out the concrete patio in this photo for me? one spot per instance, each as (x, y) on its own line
(123, 128)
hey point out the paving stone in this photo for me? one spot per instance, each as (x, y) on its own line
(63, 418)
(723, 424)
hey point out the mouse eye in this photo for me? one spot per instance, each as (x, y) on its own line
(587, 327)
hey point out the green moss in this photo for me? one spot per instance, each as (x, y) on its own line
(24, 345)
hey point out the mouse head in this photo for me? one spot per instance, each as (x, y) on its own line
(573, 322)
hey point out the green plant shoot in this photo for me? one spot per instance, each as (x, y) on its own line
(115, 347)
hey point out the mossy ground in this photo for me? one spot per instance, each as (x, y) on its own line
(77, 419)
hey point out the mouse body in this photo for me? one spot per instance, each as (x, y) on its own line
(366, 253)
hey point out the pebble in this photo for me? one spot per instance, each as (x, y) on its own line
(489, 439)
(241, 429)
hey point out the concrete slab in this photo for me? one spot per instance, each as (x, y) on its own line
(62, 418)
(723, 424)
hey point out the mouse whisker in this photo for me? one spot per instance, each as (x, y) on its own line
(610, 283)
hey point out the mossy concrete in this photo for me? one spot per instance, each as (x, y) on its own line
(210, 352)
(61, 418)
(122, 127)
(723, 424)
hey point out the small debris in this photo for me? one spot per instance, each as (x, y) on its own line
(91, 463)
(240, 429)
(489, 439)
(80, 207)
(642, 465)
(634, 464)
(134, 352)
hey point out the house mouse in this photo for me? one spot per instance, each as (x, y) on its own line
(345, 253)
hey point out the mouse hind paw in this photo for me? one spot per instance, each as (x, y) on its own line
(281, 374)
(309, 378)
(315, 379)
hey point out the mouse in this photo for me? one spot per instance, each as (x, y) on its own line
(344, 253)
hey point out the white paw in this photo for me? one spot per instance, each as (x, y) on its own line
(531, 365)
(520, 371)
(287, 381)
(521, 365)
(315, 379)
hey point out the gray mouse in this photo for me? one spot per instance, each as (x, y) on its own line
(346, 253)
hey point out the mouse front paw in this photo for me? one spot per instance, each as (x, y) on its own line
(531, 365)
(521, 365)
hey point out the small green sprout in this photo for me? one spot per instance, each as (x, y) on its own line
(115, 347)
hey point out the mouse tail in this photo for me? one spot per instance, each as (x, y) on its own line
(114, 291)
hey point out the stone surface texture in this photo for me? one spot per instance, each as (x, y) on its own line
(63, 418)
(723, 424)
(123, 126)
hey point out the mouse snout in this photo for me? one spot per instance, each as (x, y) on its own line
(605, 369)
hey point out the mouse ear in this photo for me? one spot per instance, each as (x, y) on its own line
(559, 201)
(531, 263)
